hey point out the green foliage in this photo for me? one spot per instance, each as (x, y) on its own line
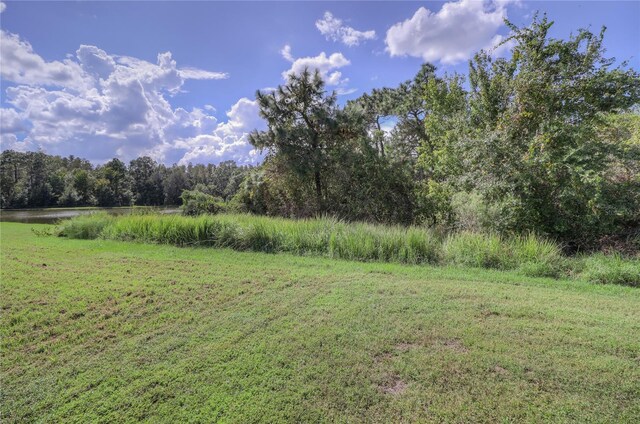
(197, 203)
(146, 181)
(472, 213)
(545, 140)
(537, 257)
(34, 179)
(86, 227)
(478, 250)
(321, 159)
(611, 269)
(529, 254)
(325, 236)
(303, 128)
(537, 147)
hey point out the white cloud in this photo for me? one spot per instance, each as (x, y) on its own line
(345, 91)
(229, 140)
(451, 35)
(326, 65)
(21, 65)
(333, 29)
(95, 104)
(3, 6)
(193, 73)
(286, 53)
(11, 121)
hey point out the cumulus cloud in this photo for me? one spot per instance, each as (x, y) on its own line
(11, 121)
(20, 64)
(95, 104)
(229, 140)
(450, 35)
(334, 29)
(2, 6)
(326, 65)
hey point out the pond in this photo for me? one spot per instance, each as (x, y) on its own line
(53, 215)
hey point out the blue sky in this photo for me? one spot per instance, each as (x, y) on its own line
(177, 80)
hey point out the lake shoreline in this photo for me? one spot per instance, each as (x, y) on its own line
(55, 214)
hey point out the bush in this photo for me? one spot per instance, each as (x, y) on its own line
(473, 214)
(197, 203)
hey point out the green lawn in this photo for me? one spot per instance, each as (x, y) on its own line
(105, 331)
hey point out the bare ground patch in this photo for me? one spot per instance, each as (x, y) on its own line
(455, 345)
(404, 347)
(499, 370)
(393, 386)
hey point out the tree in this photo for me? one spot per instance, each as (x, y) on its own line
(536, 148)
(11, 175)
(115, 173)
(175, 183)
(440, 155)
(144, 187)
(378, 108)
(303, 129)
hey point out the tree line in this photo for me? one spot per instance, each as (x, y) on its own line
(545, 141)
(35, 180)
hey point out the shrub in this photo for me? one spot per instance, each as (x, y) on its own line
(197, 203)
(473, 214)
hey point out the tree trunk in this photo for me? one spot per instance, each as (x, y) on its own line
(381, 137)
(318, 184)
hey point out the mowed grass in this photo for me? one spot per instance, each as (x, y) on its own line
(108, 331)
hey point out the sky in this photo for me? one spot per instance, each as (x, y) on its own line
(177, 80)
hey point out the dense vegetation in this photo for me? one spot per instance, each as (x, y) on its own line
(545, 141)
(35, 179)
(529, 255)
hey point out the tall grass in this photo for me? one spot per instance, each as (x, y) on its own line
(528, 254)
(611, 269)
(86, 226)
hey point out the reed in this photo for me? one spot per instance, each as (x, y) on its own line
(528, 254)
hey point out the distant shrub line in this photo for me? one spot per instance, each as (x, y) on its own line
(329, 237)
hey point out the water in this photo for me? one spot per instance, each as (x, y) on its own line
(53, 215)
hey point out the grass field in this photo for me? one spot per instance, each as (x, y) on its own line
(108, 331)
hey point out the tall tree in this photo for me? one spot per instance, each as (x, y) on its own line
(143, 186)
(303, 128)
(116, 175)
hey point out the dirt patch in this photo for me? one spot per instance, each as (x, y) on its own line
(455, 345)
(488, 313)
(394, 386)
(404, 347)
(382, 357)
(499, 370)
